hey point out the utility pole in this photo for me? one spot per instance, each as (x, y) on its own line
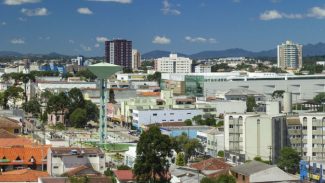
(270, 148)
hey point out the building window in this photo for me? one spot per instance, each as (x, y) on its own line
(154, 114)
(231, 126)
(304, 127)
(314, 128)
(314, 154)
(80, 156)
(243, 177)
(55, 167)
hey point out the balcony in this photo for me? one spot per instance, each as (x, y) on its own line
(318, 141)
(236, 130)
(235, 139)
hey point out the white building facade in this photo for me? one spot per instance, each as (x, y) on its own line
(146, 117)
(63, 159)
(173, 64)
(202, 68)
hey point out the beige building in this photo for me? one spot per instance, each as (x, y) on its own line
(290, 55)
(251, 135)
(136, 59)
(307, 135)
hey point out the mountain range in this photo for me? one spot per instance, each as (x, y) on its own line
(308, 50)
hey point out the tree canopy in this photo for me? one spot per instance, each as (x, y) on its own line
(153, 149)
(289, 160)
(250, 103)
(320, 98)
(183, 143)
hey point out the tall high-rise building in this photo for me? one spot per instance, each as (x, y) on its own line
(290, 55)
(119, 52)
(136, 59)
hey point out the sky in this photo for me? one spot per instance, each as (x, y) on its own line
(76, 27)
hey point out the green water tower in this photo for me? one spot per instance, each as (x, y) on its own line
(103, 71)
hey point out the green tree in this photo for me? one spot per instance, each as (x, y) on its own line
(180, 159)
(25, 78)
(226, 179)
(250, 103)
(111, 96)
(320, 98)
(289, 160)
(153, 149)
(278, 94)
(221, 153)
(123, 167)
(13, 93)
(208, 180)
(45, 96)
(182, 143)
(76, 99)
(92, 111)
(86, 74)
(32, 106)
(58, 103)
(78, 118)
(188, 122)
(2, 100)
(78, 179)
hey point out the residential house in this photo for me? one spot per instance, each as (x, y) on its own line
(255, 171)
(24, 175)
(64, 159)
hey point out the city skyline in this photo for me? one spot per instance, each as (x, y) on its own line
(82, 26)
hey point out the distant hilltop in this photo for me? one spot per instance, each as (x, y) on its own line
(308, 50)
(317, 49)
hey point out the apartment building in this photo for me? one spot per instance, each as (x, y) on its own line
(307, 135)
(289, 55)
(64, 159)
(250, 135)
(173, 64)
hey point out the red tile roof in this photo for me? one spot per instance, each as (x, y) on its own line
(24, 153)
(24, 175)
(8, 142)
(5, 134)
(211, 164)
(124, 175)
(8, 123)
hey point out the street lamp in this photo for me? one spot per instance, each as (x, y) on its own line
(103, 71)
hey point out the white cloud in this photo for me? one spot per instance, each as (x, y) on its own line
(85, 48)
(44, 38)
(97, 45)
(3, 23)
(22, 19)
(101, 39)
(161, 40)
(274, 14)
(35, 12)
(17, 41)
(236, 1)
(200, 39)
(115, 1)
(19, 2)
(271, 15)
(85, 11)
(168, 10)
(71, 41)
(317, 12)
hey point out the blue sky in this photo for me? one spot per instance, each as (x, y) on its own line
(189, 26)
